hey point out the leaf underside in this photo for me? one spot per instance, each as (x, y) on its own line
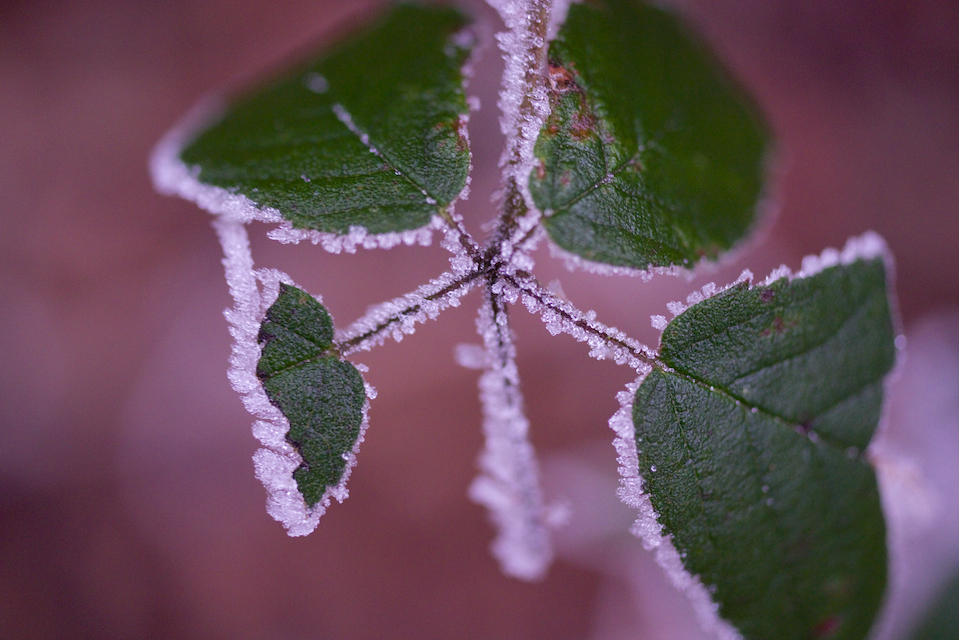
(649, 157)
(299, 147)
(321, 395)
(751, 449)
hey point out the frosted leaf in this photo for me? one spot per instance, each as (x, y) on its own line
(171, 176)
(647, 527)
(808, 354)
(277, 461)
(508, 484)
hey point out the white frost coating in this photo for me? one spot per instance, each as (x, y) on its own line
(508, 484)
(707, 291)
(865, 247)
(276, 462)
(471, 356)
(399, 316)
(606, 343)
(647, 527)
(868, 246)
(358, 237)
(520, 123)
(576, 263)
(171, 176)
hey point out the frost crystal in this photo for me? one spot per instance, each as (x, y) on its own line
(606, 343)
(278, 459)
(647, 527)
(523, 101)
(399, 316)
(172, 177)
(865, 247)
(509, 483)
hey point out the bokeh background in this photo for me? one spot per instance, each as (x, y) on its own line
(128, 506)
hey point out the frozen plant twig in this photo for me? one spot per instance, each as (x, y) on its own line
(398, 317)
(509, 483)
(562, 317)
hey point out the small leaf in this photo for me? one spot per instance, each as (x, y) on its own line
(370, 135)
(751, 449)
(321, 395)
(649, 157)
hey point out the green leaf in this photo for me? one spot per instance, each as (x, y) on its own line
(321, 395)
(305, 145)
(649, 157)
(941, 621)
(750, 443)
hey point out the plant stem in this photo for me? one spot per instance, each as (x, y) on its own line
(525, 48)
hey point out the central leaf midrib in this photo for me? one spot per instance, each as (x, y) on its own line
(323, 353)
(732, 397)
(379, 153)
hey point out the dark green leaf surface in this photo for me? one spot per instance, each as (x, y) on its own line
(290, 148)
(321, 395)
(649, 158)
(756, 432)
(941, 622)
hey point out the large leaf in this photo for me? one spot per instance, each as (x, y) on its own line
(321, 395)
(751, 449)
(941, 621)
(649, 157)
(370, 135)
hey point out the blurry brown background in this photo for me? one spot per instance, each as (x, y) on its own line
(128, 506)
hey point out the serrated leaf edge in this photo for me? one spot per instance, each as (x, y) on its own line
(171, 176)
(868, 246)
(275, 463)
(647, 527)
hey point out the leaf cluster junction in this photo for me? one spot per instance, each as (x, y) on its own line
(748, 429)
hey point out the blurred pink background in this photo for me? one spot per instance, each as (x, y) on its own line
(128, 506)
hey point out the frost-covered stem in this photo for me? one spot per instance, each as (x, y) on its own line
(562, 317)
(509, 482)
(397, 317)
(523, 100)
(461, 237)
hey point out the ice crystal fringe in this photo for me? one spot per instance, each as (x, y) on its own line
(278, 459)
(647, 527)
(574, 262)
(606, 343)
(520, 45)
(171, 176)
(509, 482)
(867, 246)
(399, 317)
